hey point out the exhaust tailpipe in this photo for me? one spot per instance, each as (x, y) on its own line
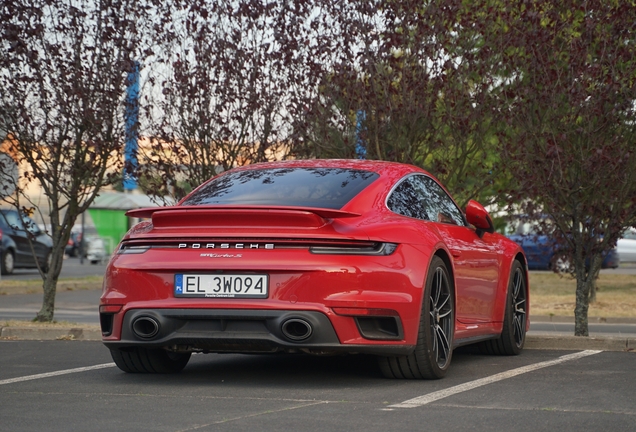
(296, 329)
(145, 327)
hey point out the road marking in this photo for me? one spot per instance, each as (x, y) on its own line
(432, 397)
(195, 427)
(56, 373)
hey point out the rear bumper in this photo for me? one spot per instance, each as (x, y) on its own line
(234, 330)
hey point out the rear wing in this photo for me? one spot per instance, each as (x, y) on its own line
(239, 216)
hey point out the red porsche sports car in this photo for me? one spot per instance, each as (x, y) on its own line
(318, 257)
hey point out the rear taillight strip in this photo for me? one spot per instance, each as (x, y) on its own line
(378, 249)
(321, 247)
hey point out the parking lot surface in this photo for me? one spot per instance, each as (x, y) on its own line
(73, 385)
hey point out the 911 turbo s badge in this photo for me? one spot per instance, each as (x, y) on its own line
(226, 246)
(215, 255)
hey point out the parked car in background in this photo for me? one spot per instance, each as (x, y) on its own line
(19, 240)
(626, 246)
(542, 252)
(74, 244)
(95, 249)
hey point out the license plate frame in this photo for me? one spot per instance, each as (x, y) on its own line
(221, 285)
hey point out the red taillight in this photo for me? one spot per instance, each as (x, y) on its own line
(0, 234)
(364, 312)
(110, 308)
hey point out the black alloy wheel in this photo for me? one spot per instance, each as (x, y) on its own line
(513, 334)
(519, 301)
(441, 314)
(434, 349)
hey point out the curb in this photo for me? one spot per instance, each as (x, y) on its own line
(570, 319)
(549, 342)
(539, 342)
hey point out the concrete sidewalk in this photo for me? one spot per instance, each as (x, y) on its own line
(558, 341)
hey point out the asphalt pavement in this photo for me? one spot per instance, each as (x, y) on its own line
(75, 386)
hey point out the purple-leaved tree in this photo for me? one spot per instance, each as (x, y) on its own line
(63, 68)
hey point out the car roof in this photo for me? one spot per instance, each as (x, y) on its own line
(380, 167)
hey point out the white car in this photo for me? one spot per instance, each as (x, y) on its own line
(95, 250)
(626, 246)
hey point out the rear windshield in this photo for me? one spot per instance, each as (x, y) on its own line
(303, 187)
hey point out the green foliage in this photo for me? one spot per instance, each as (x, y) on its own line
(422, 92)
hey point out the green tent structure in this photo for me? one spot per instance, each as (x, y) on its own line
(108, 212)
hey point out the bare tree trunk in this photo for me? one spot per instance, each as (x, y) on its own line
(585, 285)
(594, 286)
(49, 287)
(48, 301)
(581, 308)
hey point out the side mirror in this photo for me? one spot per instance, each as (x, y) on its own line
(477, 215)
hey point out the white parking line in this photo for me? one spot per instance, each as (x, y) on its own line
(432, 397)
(56, 373)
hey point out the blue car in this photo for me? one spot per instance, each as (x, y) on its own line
(541, 251)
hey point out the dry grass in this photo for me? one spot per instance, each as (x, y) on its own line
(551, 294)
(54, 324)
(9, 286)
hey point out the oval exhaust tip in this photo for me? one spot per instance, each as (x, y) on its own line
(145, 327)
(296, 329)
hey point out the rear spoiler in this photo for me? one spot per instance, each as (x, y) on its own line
(239, 217)
(146, 213)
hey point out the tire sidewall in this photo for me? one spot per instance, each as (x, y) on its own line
(425, 336)
(508, 330)
(8, 267)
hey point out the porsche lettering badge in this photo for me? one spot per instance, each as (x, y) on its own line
(226, 246)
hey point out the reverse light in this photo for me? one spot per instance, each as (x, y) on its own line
(377, 249)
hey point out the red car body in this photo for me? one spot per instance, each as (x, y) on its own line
(351, 279)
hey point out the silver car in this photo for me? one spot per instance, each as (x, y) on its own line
(626, 246)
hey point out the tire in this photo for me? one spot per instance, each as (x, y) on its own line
(433, 352)
(142, 360)
(513, 334)
(8, 262)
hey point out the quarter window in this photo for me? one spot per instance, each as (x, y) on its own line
(406, 200)
(420, 197)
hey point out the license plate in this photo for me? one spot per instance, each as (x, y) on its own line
(221, 285)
